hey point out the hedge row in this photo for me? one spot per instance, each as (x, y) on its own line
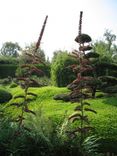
(10, 70)
(7, 70)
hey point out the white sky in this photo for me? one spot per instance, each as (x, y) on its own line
(21, 21)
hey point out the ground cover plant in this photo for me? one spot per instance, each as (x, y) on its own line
(52, 116)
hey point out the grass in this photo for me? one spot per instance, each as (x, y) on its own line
(105, 121)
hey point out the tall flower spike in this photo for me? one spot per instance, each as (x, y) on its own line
(80, 23)
(41, 34)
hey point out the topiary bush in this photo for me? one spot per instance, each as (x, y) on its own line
(5, 96)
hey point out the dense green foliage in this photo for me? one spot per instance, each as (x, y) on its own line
(61, 72)
(7, 70)
(10, 49)
(5, 96)
(58, 111)
(8, 60)
(43, 140)
(13, 70)
(106, 47)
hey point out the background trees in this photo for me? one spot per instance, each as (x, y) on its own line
(10, 49)
(30, 49)
(12, 54)
(106, 47)
(61, 74)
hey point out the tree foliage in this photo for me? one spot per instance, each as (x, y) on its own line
(10, 49)
(106, 47)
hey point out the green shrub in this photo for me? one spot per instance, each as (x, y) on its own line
(5, 96)
(13, 85)
(61, 73)
(7, 70)
(45, 69)
(44, 81)
(6, 81)
(8, 60)
(42, 140)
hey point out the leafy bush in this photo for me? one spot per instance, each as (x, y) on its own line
(8, 60)
(45, 68)
(6, 81)
(7, 70)
(61, 73)
(13, 85)
(43, 139)
(5, 96)
(44, 81)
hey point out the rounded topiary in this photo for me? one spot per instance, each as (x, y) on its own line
(91, 55)
(5, 96)
(83, 38)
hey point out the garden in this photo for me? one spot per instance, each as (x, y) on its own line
(66, 106)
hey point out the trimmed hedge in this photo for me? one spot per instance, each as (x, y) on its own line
(11, 69)
(7, 70)
(8, 60)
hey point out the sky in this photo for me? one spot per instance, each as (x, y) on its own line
(21, 21)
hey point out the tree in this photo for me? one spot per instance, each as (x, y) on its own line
(110, 38)
(10, 49)
(106, 47)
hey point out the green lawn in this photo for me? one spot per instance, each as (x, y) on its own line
(105, 121)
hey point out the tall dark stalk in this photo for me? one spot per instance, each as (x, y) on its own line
(81, 84)
(26, 81)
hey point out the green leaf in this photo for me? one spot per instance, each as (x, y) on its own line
(19, 96)
(86, 103)
(29, 111)
(91, 110)
(33, 94)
